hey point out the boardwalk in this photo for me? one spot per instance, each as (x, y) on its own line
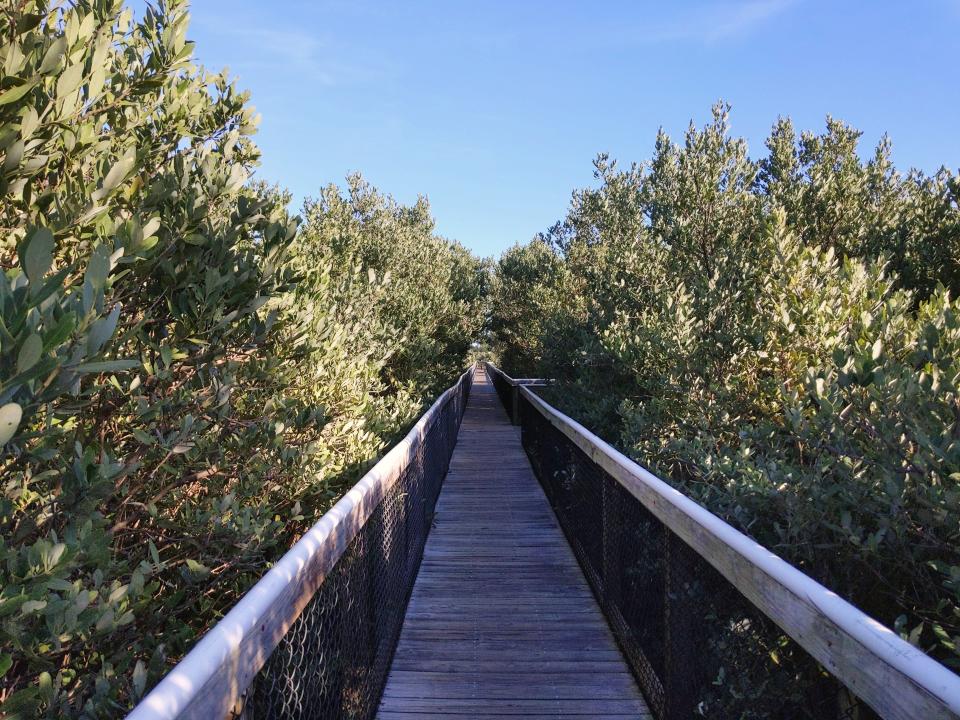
(501, 621)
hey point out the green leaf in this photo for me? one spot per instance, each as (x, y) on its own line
(29, 123)
(38, 254)
(28, 21)
(107, 366)
(914, 637)
(59, 584)
(30, 353)
(51, 58)
(32, 606)
(69, 80)
(6, 662)
(45, 685)
(153, 224)
(99, 267)
(102, 330)
(194, 571)
(10, 416)
(105, 621)
(54, 555)
(52, 284)
(139, 678)
(117, 174)
(86, 27)
(92, 212)
(60, 332)
(143, 437)
(11, 160)
(14, 94)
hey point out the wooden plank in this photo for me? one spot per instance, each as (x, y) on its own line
(897, 680)
(517, 705)
(501, 621)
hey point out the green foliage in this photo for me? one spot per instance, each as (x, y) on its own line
(777, 338)
(185, 384)
(866, 210)
(435, 287)
(523, 296)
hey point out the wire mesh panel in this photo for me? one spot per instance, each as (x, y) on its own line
(697, 646)
(504, 388)
(334, 660)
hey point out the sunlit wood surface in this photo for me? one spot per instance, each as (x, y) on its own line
(501, 622)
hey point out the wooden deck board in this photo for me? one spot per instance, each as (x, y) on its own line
(501, 622)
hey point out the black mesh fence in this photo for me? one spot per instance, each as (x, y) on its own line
(504, 388)
(334, 660)
(698, 647)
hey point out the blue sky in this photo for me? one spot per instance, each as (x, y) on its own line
(495, 110)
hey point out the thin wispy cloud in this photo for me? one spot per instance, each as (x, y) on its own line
(272, 49)
(705, 23)
(715, 22)
(290, 53)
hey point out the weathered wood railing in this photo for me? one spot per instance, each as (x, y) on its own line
(700, 609)
(315, 636)
(508, 389)
(712, 624)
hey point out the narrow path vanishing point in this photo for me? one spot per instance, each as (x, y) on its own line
(501, 621)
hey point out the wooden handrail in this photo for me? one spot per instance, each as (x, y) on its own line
(209, 682)
(517, 381)
(515, 384)
(897, 680)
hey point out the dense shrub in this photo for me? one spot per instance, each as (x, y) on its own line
(526, 280)
(780, 340)
(436, 287)
(185, 383)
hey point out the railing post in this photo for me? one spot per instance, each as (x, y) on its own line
(515, 394)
